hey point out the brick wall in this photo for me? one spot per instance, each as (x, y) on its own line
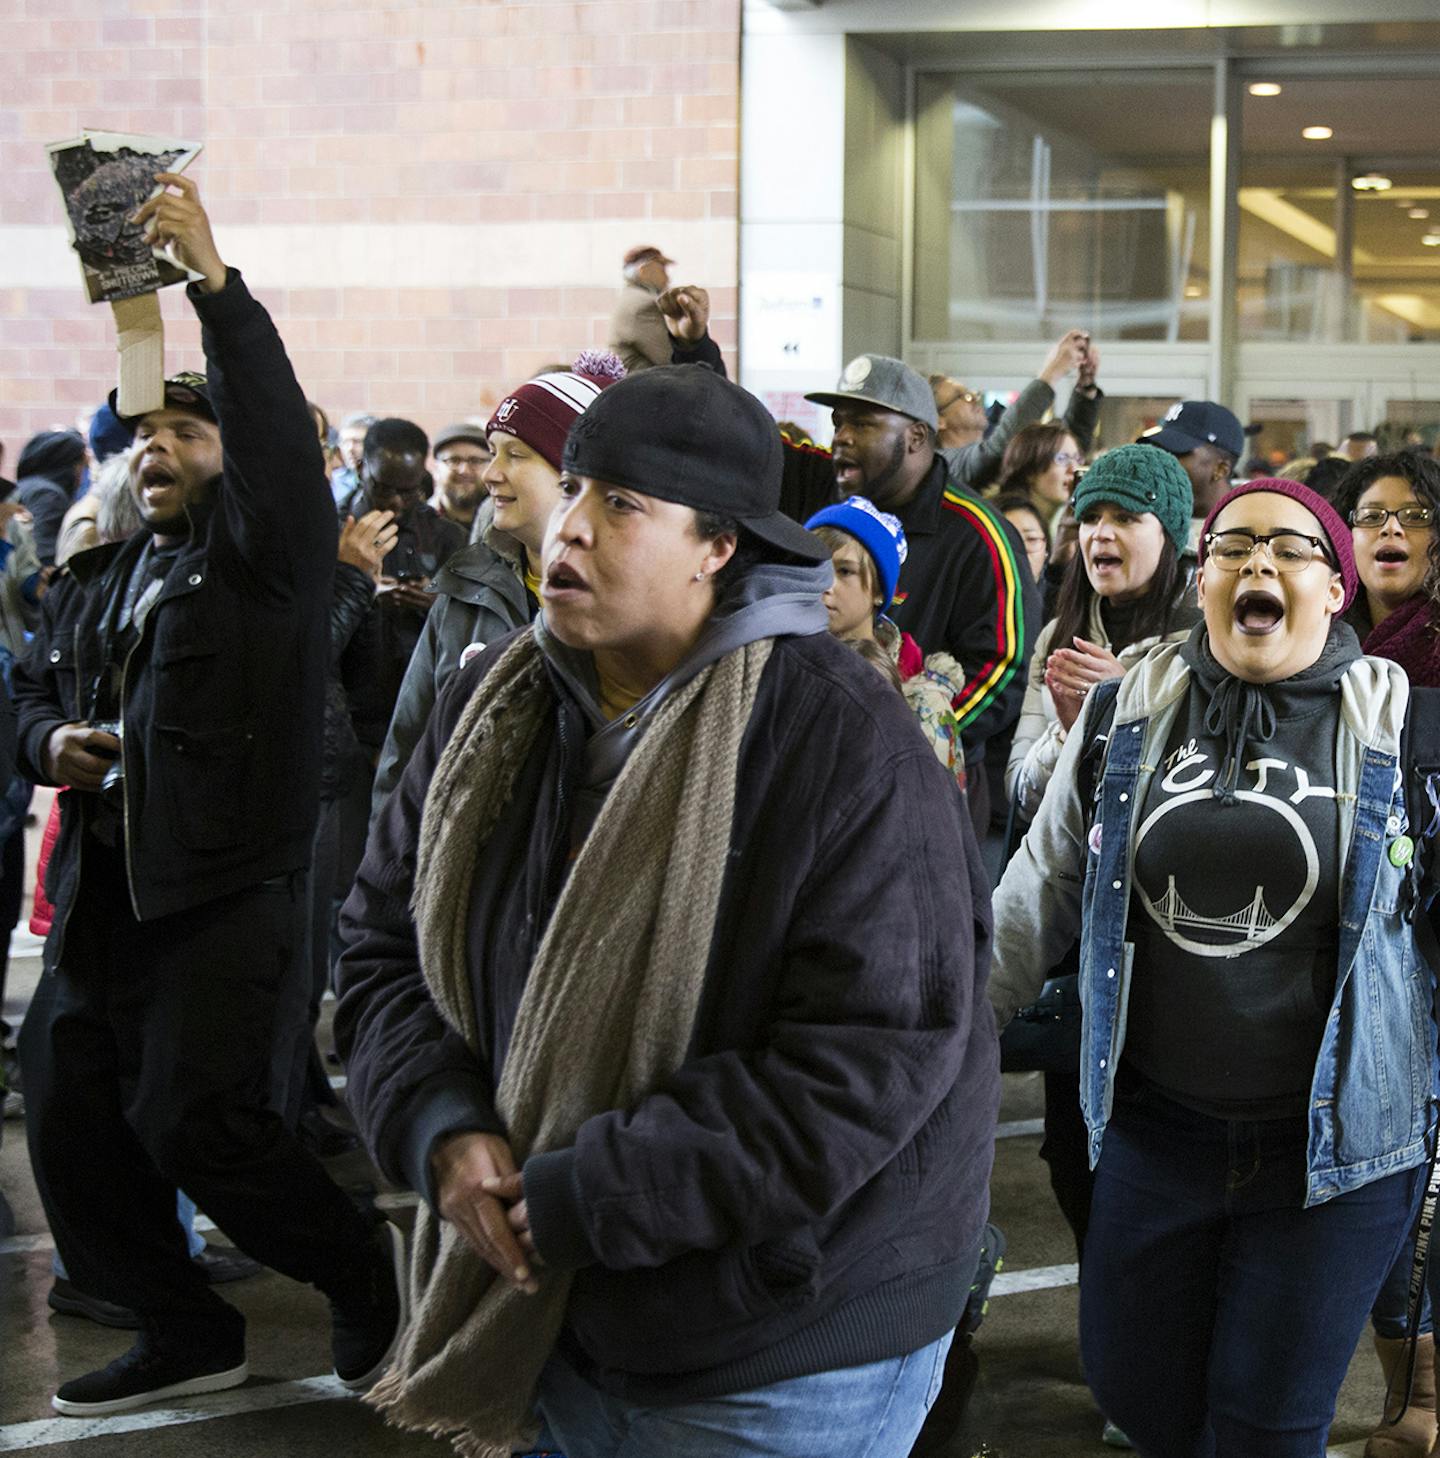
(509, 152)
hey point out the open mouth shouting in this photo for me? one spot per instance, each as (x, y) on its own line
(1258, 613)
(847, 472)
(156, 483)
(1392, 559)
(563, 583)
(1105, 564)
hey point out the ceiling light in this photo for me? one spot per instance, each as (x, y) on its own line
(1317, 134)
(1418, 213)
(1192, 291)
(1431, 240)
(1264, 88)
(1371, 182)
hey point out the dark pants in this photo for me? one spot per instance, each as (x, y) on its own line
(1217, 1316)
(1066, 1152)
(147, 1059)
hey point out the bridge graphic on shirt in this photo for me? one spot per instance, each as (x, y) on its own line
(1246, 925)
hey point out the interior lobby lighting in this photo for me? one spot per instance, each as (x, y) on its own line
(1431, 240)
(1371, 182)
(1317, 134)
(1418, 213)
(1264, 88)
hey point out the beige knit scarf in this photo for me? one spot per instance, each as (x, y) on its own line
(607, 1011)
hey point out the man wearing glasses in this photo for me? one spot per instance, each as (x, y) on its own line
(461, 455)
(971, 457)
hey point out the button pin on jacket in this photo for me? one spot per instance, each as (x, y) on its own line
(1402, 848)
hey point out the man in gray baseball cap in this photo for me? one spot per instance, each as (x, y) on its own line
(965, 589)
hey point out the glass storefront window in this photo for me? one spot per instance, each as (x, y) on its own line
(1332, 230)
(1046, 201)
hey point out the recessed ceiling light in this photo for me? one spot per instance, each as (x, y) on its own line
(1371, 182)
(1264, 88)
(1418, 213)
(1431, 240)
(1192, 291)
(1317, 134)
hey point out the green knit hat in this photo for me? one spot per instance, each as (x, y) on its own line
(1141, 478)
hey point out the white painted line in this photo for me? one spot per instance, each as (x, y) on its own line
(266, 1397)
(1019, 1128)
(1037, 1278)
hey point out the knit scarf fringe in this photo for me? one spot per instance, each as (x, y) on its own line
(606, 1015)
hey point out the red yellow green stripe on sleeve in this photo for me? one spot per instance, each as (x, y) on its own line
(991, 676)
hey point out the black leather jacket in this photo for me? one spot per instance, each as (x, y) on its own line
(223, 692)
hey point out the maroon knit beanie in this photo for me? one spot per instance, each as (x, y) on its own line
(542, 410)
(1336, 532)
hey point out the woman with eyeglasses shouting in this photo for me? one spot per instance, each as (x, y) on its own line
(1391, 503)
(1258, 1043)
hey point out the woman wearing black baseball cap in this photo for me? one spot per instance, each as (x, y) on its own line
(707, 1127)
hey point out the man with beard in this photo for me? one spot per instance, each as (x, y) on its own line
(176, 687)
(966, 589)
(460, 455)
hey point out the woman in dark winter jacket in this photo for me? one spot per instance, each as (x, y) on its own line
(1259, 1045)
(703, 1126)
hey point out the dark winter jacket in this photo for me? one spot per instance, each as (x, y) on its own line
(354, 592)
(804, 1193)
(224, 690)
(479, 597)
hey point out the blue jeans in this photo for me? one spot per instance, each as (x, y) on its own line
(1393, 1303)
(873, 1411)
(1218, 1316)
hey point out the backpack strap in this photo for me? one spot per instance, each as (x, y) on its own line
(1420, 768)
(1095, 724)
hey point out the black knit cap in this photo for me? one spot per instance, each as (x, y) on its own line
(682, 433)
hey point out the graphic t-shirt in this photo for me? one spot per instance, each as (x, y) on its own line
(1234, 914)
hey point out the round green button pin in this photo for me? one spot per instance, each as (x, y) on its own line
(1401, 850)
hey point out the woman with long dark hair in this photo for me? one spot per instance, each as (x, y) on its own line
(1041, 461)
(1123, 592)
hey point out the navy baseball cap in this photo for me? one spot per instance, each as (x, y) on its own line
(1191, 423)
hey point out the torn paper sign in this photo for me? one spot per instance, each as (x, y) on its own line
(103, 178)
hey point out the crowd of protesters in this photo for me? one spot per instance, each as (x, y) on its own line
(637, 777)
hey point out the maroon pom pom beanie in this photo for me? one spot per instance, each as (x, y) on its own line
(1336, 532)
(542, 410)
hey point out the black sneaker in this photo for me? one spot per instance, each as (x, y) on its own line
(222, 1266)
(366, 1324)
(68, 1299)
(151, 1371)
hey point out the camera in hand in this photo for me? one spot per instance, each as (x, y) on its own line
(112, 787)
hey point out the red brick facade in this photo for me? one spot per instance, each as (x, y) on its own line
(619, 118)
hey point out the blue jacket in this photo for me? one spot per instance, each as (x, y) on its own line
(1375, 1073)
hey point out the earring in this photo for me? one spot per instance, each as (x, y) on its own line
(699, 577)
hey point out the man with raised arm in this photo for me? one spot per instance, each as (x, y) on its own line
(176, 688)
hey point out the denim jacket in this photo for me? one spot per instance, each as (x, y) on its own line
(1375, 1073)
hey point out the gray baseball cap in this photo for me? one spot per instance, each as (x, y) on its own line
(876, 379)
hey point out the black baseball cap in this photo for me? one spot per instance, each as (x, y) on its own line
(1191, 423)
(682, 433)
(185, 391)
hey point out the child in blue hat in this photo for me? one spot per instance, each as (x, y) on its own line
(867, 551)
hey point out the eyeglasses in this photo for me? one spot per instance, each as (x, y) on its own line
(455, 463)
(1289, 551)
(968, 397)
(1375, 517)
(1068, 458)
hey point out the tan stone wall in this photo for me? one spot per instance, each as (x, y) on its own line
(431, 198)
